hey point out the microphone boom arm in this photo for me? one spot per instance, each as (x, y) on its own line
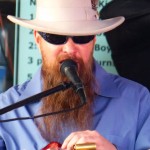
(33, 98)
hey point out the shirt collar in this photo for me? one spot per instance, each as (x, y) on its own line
(34, 86)
(106, 82)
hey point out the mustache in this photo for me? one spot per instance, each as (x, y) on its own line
(63, 57)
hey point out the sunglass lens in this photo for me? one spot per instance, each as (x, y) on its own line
(83, 39)
(61, 39)
(57, 39)
(53, 38)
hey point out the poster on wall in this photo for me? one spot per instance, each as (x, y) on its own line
(27, 56)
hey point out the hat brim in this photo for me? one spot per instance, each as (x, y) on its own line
(71, 27)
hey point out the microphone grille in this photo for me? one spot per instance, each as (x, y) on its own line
(67, 64)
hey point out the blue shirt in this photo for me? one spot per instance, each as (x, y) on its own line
(121, 114)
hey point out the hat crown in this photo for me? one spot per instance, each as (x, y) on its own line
(63, 3)
(65, 10)
(68, 17)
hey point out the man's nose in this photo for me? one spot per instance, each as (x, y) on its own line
(70, 47)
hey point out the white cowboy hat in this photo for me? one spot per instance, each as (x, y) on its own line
(68, 17)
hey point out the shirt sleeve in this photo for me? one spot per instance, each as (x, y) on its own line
(2, 144)
(143, 124)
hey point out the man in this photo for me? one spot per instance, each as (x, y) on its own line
(116, 115)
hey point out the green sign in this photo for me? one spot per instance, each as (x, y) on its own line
(27, 56)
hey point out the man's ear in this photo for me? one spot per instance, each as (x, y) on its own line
(37, 38)
(94, 39)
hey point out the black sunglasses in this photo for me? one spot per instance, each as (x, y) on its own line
(62, 39)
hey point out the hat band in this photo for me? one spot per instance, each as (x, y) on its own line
(66, 14)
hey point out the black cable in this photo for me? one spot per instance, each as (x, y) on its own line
(34, 98)
(43, 115)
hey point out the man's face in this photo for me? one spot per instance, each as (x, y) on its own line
(51, 52)
(52, 56)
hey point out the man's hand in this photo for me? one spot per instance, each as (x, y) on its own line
(87, 137)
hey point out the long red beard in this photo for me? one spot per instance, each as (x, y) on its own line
(53, 127)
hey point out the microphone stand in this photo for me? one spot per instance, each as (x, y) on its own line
(34, 98)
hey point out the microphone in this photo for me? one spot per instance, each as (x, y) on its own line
(69, 68)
